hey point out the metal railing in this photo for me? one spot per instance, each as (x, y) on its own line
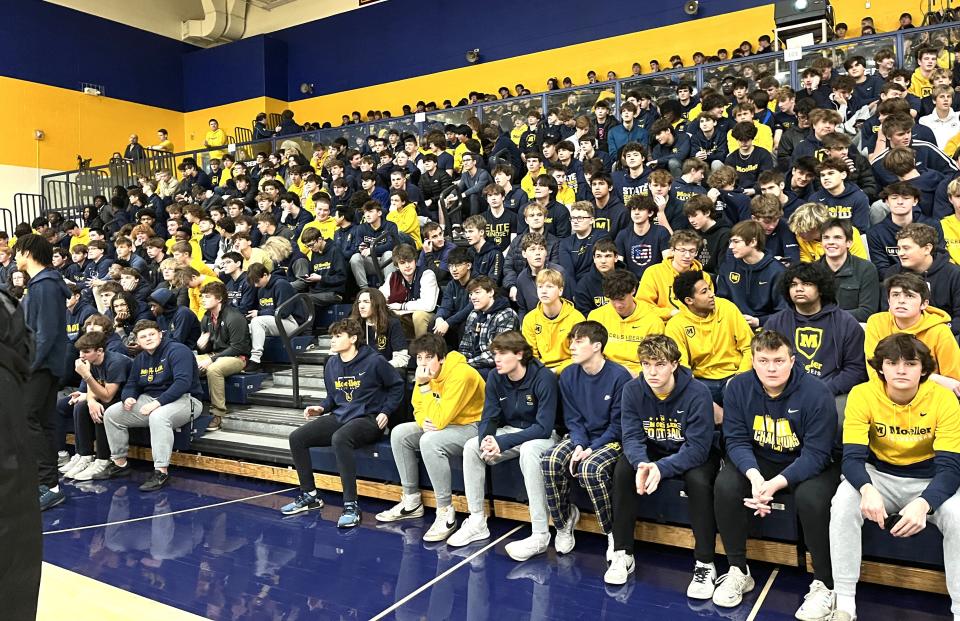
(507, 113)
(305, 300)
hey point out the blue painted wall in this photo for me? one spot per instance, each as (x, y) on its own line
(50, 44)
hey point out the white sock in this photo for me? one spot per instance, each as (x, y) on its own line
(848, 604)
(956, 617)
(55, 489)
(313, 493)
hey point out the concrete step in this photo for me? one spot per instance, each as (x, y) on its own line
(263, 420)
(311, 377)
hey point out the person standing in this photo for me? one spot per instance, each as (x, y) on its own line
(45, 310)
(20, 525)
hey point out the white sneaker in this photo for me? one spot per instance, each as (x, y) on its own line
(526, 549)
(68, 463)
(564, 541)
(63, 458)
(704, 581)
(731, 586)
(817, 604)
(78, 465)
(841, 615)
(620, 568)
(474, 528)
(408, 508)
(443, 526)
(90, 472)
(610, 549)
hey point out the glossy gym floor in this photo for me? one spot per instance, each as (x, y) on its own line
(215, 546)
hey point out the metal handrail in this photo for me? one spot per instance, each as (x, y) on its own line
(301, 298)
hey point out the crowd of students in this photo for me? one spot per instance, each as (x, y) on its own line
(639, 304)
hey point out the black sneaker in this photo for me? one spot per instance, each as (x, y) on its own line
(252, 367)
(156, 481)
(113, 471)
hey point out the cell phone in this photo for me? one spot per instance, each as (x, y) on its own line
(891, 521)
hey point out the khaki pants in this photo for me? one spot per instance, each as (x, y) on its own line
(216, 372)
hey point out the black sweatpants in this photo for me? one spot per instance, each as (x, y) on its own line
(86, 431)
(812, 498)
(40, 401)
(698, 484)
(345, 438)
(20, 525)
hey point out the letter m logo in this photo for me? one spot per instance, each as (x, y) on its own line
(808, 341)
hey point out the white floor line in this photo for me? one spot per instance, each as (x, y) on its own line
(763, 594)
(446, 573)
(151, 517)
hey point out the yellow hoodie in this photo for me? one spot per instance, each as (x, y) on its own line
(903, 435)
(407, 222)
(548, 337)
(455, 397)
(812, 251)
(933, 330)
(326, 227)
(656, 287)
(623, 335)
(194, 293)
(715, 346)
(951, 232)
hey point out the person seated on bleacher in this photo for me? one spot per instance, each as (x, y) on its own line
(642, 244)
(556, 215)
(322, 271)
(547, 325)
(102, 375)
(272, 291)
(656, 285)
(223, 346)
(750, 278)
(162, 392)
(435, 253)
(909, 311)
(919, 251)
(362, 392)
(843, 199)
(96, 269)
(828, 339)
(808, 223)
(191, 280)
(501, 222)
(488, 260)
(447, 404)
(374, 241)
(382, 328)
(590, 390)
(103, 324)
(902, 201)
(626, 320)
(491, 315)
(576, 251)
(403, 213)
(243, 245)
(125, 252)
(514, 261)
(901, 455)
(779, 429)
(132, 282)
(712, 334)
(534, 251)
(519, 413)
(78, 312)
(455, 303)
(240, 292)
(411, 292)
(659, 444)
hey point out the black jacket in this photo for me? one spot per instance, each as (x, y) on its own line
(229, 336)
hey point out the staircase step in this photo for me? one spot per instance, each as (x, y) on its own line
(263, 420)
(259, 447)
(311, 376)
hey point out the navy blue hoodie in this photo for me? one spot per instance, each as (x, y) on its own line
(365, 386)
(488, 261)
(612, 218)
(166, 375)
(45, 311)
(679, 150)
(755, 289)
(829, 345)
(883, 241)
(178, 323)
(676, 432)
(240, 292)
(782, 244)
(576, 254)
(797, 429)
(278, 291)
(852, 204)
(591, 403)
(529, 405)
(76, 317)
(626, 186)
(943, 278)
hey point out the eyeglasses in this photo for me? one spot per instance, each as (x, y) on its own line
(685, 251)
(580, 218)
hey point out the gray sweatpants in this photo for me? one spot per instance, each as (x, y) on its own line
(530, 453)
(162, 421)
(263, 326)
(846, 524)
(436, 447)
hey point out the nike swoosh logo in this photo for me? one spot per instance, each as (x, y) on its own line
(607, 398)
(789, 411)
(680, 411)
(763, 282)
(405, 512)
(362, 373)
(503, 398)
(922, 414)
